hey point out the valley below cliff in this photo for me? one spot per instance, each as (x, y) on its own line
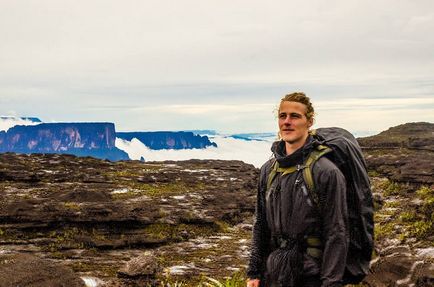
(80, 221)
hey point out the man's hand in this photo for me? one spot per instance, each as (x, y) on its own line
(252, 282)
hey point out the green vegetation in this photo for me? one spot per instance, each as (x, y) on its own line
(171, 232)
(373, 173)
(401, 220)
(391, 188)
(71, 205)
(137, 189)
(107, 269)
(236, 280)
(420, 229)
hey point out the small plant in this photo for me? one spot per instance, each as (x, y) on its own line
(373, 173)
(235, 281)
(391, 188)
(421, 229)
(71, 205)
(407, 216)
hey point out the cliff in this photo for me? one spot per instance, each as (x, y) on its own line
(81, 139)
(168, 140)
(404, 153)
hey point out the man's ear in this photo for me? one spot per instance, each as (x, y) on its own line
(310, 123)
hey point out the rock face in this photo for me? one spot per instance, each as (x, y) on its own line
(411, 135)
(31, 271)
(168, 140)
(401, 163)
(403, 153)
(81, 139)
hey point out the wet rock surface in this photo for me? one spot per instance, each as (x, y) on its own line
(403, 153)
(28, 270)
(401, 163)
(98, 218)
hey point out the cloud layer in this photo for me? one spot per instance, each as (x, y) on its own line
(253, 152)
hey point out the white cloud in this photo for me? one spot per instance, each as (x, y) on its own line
(253, 152)
(8, 122)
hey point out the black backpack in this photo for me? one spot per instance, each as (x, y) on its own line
(341, 147)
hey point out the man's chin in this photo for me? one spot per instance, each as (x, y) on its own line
(288, 140)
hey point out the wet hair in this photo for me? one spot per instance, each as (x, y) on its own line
(301, 98)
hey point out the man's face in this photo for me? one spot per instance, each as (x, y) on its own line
(293, 124)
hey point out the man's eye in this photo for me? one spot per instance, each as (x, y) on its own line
(282, 116)
(295, 116)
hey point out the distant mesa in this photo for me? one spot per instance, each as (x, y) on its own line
(80, 139)
(169, 140)
(29, 135)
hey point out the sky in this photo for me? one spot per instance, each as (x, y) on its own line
(222, 65)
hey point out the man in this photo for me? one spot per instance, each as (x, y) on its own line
(295, 241)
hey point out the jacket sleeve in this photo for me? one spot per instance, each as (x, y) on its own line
(333, 203)
(260, 240)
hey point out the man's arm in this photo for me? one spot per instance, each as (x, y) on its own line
(260, 231)
(334, 224)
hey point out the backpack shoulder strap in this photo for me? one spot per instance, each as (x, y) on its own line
(272, 174)
(307, 171)
(275, 169)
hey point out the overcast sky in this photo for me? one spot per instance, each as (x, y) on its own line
(223, 65)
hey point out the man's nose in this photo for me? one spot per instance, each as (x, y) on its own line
(287, 120)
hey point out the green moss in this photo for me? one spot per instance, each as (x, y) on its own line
(139, 189)
(408, 216)
(2, 232)
(71, 205)
(383, 230)
(108, 270)
(222, 225)
(421, 229)
(373, 173)
(392, 204)
(425, 192)
(391, 188)
(170, 232)
(236, 280)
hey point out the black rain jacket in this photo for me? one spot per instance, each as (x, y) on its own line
(286, 210)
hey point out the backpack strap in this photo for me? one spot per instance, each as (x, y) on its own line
(306, 167)
(282, 170)
(307, 172)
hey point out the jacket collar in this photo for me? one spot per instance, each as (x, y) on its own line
(297, 157)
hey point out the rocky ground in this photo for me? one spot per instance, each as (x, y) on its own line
(68, 221)
(92, 216)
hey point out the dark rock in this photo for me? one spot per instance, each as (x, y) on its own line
(403, 153)
(31, 271)
(399, 267)
(142, 267)
(94, 216)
